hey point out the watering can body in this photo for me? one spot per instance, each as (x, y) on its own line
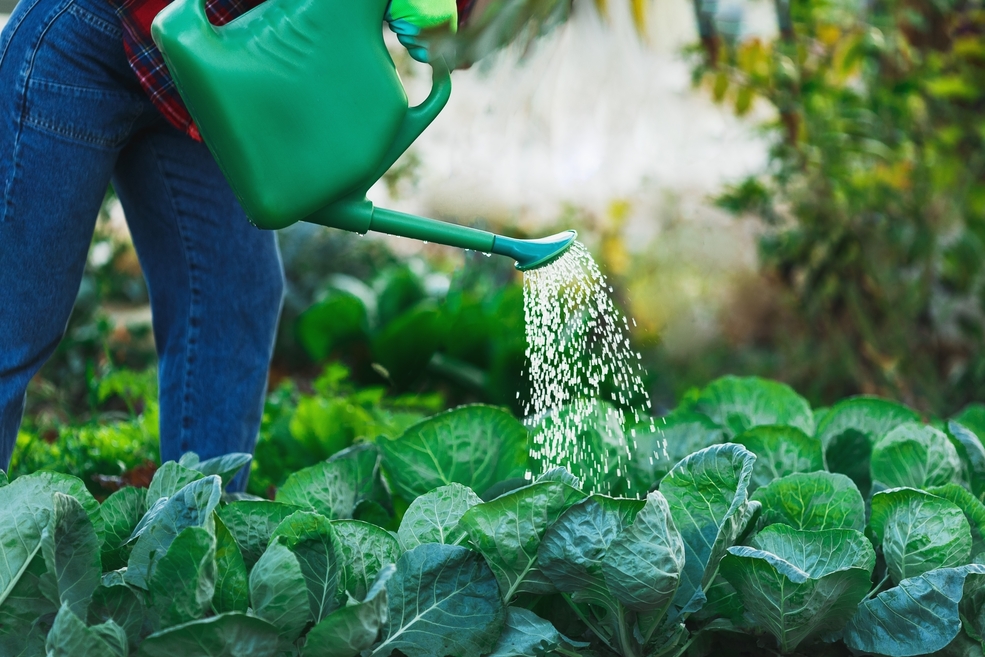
(298, 100)
(302, 108)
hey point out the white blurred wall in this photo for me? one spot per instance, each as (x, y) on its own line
(594, 115)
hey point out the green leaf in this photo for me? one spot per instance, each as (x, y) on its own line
(915, 456)
(365, 550)
(27, 614)
(571, 551)
(69, 637)
(642, 566)
(707, 493)
(972, 452)
(279, 594)
(334, 487)
(27, 503)
(191, 506)
(780, 451)
(226, 635)
(508, 532)
(120, 605)
(348, 631)
(527, 634)
(252, 522)
(120, 513)
(168, 480)
(673, 437)
(559, 474)
(919, 532)
(738, 404)
(71, 554)
(226, 466)
(476, 446)
(974, 512)
(329, 323)
(405, 345)
(231, 586)
(313, 541)
(442, 600)
(3, 478)
(433, 517)
(851, 428)
(801, 584)
(972, 417)
(812, 500)
(915, 618)
(183, 582)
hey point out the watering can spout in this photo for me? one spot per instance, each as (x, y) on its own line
(361, 216)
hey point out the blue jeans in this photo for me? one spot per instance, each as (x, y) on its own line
(73, 117)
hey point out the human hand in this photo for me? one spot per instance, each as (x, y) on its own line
(408, 18)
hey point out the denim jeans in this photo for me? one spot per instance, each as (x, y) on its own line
(73, 117)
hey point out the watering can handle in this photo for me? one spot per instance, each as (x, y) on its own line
(418, 118)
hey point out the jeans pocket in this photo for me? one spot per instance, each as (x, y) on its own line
(79, 83)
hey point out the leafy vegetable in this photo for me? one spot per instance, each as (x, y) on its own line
(527, 634)
(974, 512)
(433, 517)
(348, 631)
(919, 532)
(334, 487)
(476, 446)
(120, 514)
(279, 594)
(708, 503)
(916, 456)
(801, 584)
(191, 506)
(364, 551)
(69, 637)
(508, 532)
(71, 555)
(813, 500)
(183, 582)
(27, 503)
(850, 429)
(780, 451)
(739, 404)
(169, 479)
(231, 577)
(443, 600)
(226, 635)
(972, 452)
(675, 436)
(313, 541)
(917, 617)
(252, 522)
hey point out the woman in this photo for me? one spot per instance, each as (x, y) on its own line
(85, 100)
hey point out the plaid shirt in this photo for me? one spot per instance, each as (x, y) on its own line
(148, 63)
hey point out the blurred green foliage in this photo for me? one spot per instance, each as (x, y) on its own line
(301, 429)
(874, 198)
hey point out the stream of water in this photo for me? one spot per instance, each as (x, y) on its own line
(587, 398)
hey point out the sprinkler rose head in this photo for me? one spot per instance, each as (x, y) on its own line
(532, 254)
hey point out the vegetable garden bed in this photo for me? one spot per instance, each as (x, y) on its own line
(767, 528)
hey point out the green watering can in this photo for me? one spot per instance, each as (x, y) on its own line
(302, 108)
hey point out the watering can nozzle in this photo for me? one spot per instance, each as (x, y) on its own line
(536, 253)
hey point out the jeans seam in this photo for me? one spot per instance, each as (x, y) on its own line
(25, 76)
(191, 328)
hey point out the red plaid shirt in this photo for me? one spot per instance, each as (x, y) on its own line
(148, 63)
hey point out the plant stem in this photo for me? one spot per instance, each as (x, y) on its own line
(876, 588)
(584, 619)
(625, 633)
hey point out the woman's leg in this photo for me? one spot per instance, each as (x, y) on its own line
(63, 117)
(215, 285)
